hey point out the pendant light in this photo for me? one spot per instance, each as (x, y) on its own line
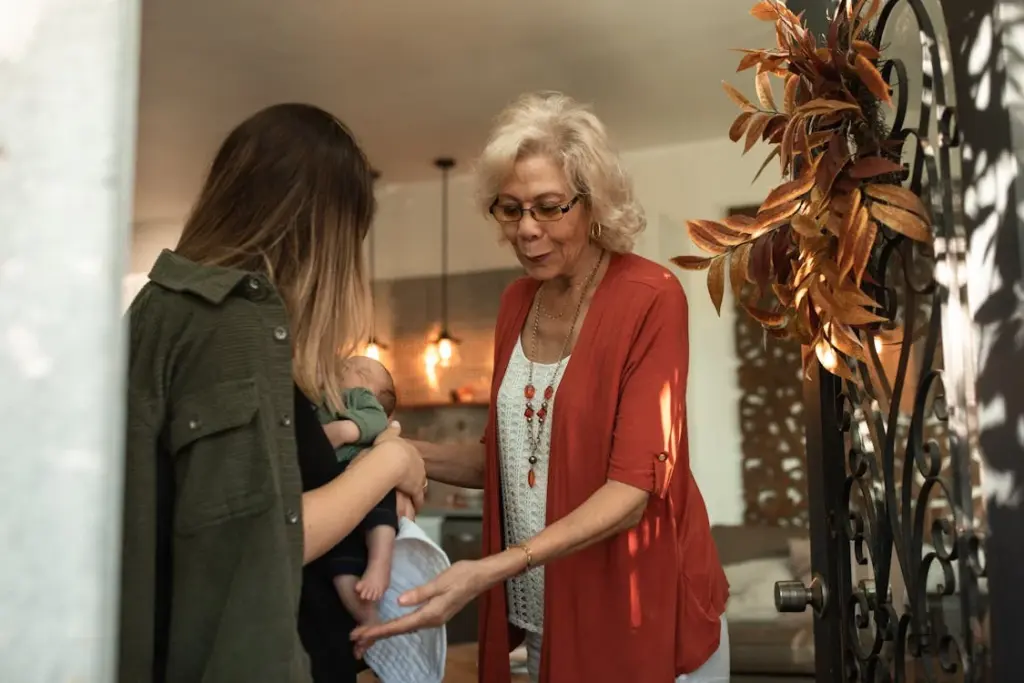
(374, 348)
(444, 347)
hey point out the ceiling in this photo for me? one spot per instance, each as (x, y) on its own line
(416, 80)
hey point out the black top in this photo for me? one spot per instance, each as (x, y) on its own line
(324, 624)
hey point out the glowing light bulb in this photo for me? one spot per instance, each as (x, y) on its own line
(445, 351)
(878, 344)
(372, 351)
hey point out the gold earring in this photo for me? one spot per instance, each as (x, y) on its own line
(595, 231)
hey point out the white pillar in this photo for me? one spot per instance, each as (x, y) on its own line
(68, 86)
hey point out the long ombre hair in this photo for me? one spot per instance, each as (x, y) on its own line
(290, 194)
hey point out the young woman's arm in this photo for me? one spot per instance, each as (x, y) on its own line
(455, 464)
(332, 512)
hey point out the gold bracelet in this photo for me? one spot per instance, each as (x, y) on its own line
(529, 555)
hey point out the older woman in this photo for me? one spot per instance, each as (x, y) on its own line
(598, 544)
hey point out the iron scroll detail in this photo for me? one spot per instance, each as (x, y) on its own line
(915, 609)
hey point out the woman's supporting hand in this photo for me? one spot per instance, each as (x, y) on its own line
(413, 482)
(441, 599)
(405, 507)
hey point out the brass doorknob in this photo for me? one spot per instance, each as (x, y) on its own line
(794, 596)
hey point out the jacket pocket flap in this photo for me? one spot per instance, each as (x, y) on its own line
(224, 406)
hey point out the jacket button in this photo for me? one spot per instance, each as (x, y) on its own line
(286, 421)
(194, 424)
(292, 517)
(280, 333)
(257, 292)
(662, 457)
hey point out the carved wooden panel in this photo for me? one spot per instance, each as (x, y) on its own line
(771, 428)
(771, 424)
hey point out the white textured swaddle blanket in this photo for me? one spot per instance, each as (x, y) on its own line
(413, 657)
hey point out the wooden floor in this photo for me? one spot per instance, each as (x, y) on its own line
(461, 667)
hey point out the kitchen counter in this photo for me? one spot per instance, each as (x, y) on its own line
(450, 512)
(461, 667)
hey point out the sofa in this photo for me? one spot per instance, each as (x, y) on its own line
(765, 646)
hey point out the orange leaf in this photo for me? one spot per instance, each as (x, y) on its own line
(870, 76)
(775, 128)
(716, 283)
(719, 233)
(770, 320)
(805, 227)
(758, 122)
(784, 294)
(748, 60)
(822, 105)
(692, 262)
(859, 316)
(855, 243)
(867, 49)
(773, 218)
(789, 99)
(844, 340)
(739, 223)
(772, 65)
(848, 230)
(739, 126)
(764, 91)
(901, 221)
(739, 260)
(765, 11)
(737, 97)
(774, 153)
(867, 233)
(832, 361)
(897, 195)
(781, 40)
(704, 240)
(787, 192)
(865, 17)
(870, 167)
(786, 149)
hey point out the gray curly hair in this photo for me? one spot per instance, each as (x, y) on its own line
(556, 126)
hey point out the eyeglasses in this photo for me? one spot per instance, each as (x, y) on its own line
(513, 213)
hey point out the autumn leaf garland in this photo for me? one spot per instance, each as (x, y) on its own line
(798, 266)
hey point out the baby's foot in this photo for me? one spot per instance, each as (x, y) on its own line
(363, 611)
(373, 583)
(366, 613)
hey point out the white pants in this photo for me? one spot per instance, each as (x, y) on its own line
(715, 670)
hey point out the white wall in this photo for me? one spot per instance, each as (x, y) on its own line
(697, 180)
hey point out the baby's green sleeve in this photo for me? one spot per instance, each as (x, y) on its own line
(363, 408)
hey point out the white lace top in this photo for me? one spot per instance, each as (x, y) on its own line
(524, 507)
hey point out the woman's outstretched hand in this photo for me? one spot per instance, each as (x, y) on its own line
(438, 600)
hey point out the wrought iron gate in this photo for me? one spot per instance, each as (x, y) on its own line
(906, 552)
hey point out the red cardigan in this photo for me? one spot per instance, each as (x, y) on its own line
(644, 605)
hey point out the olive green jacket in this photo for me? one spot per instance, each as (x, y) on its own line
(212, 545)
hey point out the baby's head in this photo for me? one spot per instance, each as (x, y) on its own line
(365, 372)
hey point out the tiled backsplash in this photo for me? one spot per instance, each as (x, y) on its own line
(408, 317)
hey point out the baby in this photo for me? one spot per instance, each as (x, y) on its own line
(363, 565)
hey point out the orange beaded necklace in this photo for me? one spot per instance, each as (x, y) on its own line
(530, 391)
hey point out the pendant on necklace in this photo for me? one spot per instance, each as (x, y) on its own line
(531, 476)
